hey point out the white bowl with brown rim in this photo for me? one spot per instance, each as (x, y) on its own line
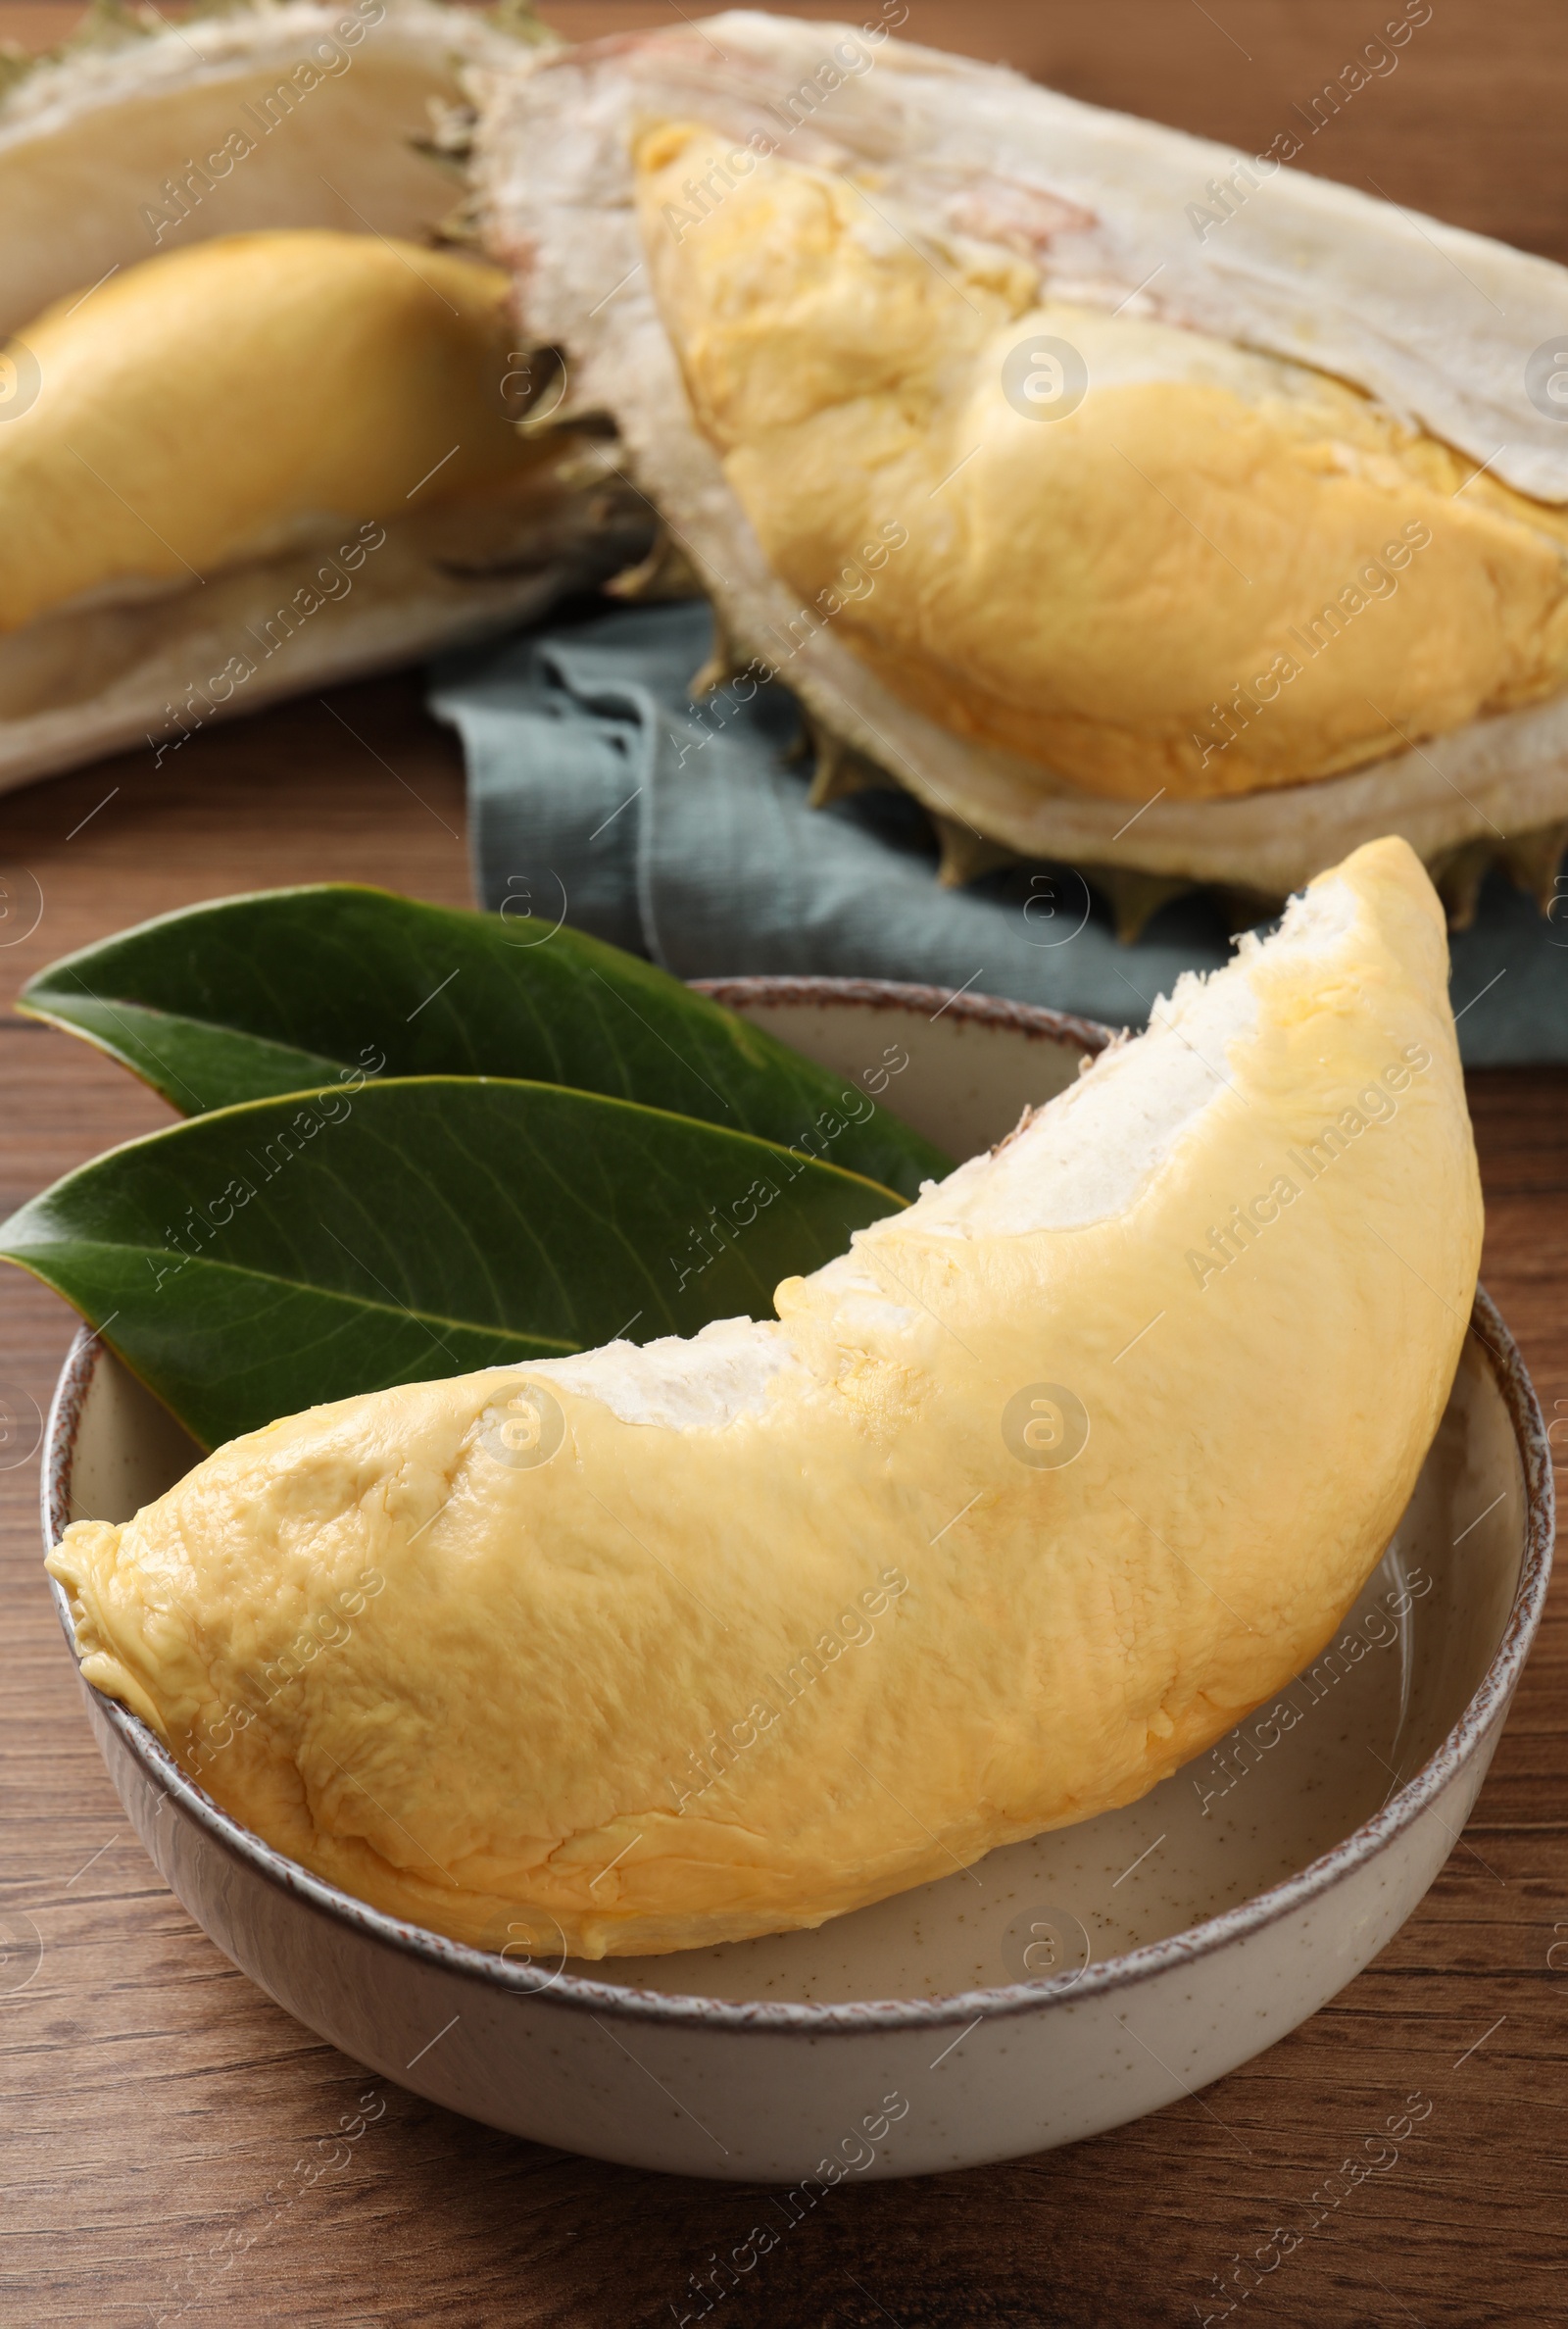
(1065, 1985)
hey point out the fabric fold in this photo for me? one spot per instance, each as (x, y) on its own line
(601, 795)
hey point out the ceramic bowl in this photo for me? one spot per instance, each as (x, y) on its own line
(1062, 1986)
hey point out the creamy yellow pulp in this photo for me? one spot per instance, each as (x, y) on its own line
(232, 399)
(1214, 571)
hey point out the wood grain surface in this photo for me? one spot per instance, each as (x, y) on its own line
(153, 2100)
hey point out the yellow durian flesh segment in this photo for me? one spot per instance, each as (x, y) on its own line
(222, 402)
(504, 1699)
(1127, 594)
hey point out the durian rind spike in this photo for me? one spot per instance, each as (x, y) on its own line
(965, 855)
(665, 574)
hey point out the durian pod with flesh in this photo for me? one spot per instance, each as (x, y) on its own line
(1130, 501)
(254, 437)
(1014, 1507)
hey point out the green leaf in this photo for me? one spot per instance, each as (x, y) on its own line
(284, 990)
(260, 1259)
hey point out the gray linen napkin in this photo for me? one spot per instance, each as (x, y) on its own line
(601, 796)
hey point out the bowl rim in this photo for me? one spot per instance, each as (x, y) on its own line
(1125, 1970)
(1033, 1020)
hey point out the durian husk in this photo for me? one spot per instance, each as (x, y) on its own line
(1098, 200)
(87, 681)
(89, 135)
(91, 131)
(1530, 860)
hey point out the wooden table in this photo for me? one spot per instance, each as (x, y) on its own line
(152, 2098)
